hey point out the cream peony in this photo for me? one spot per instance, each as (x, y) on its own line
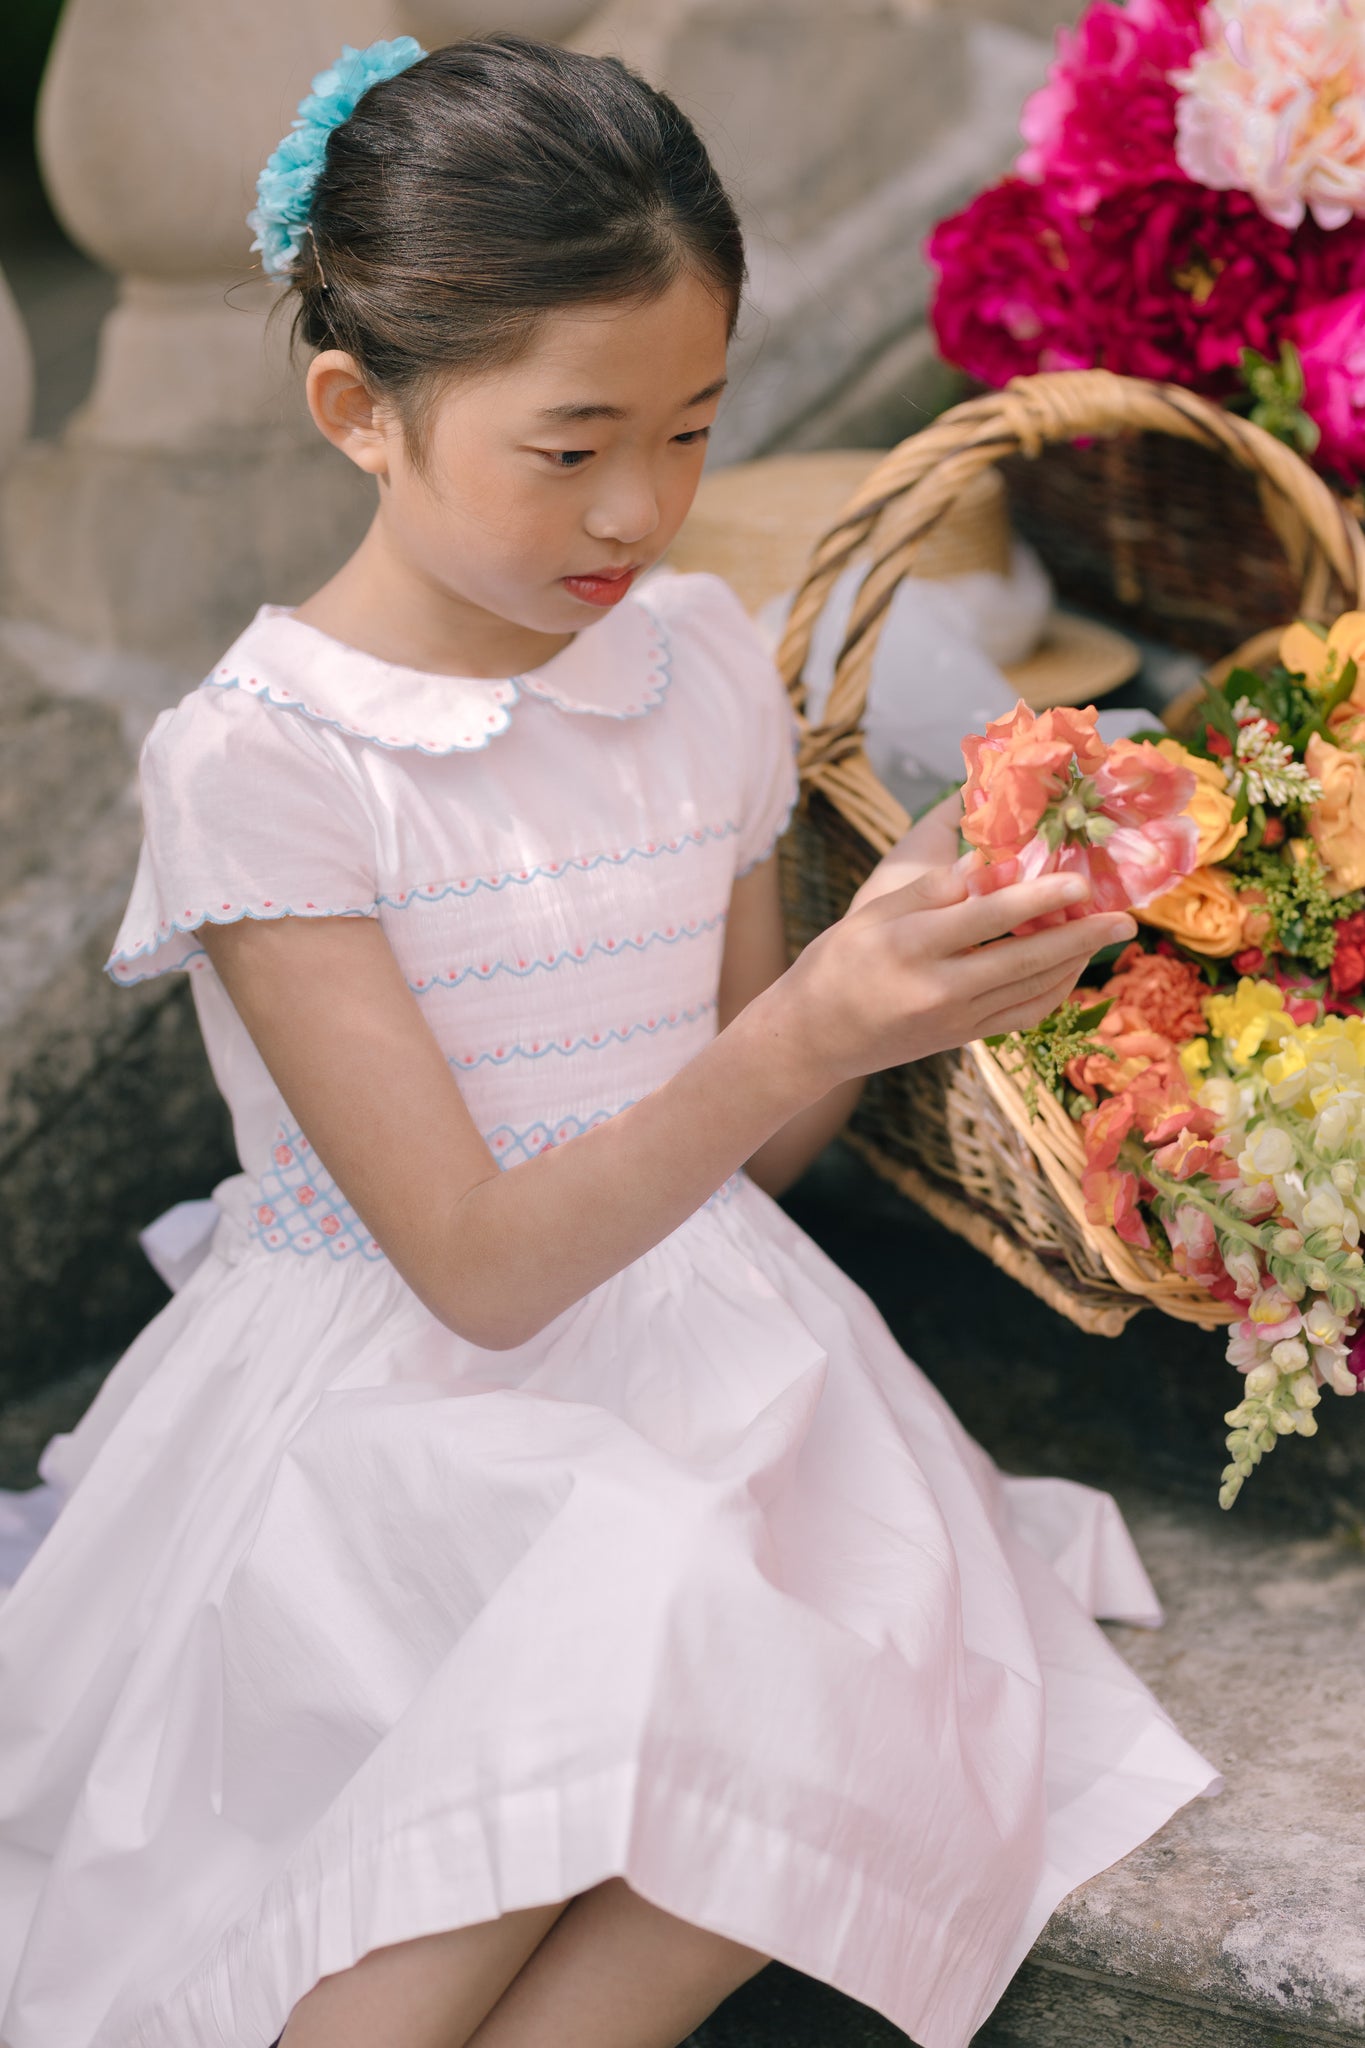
(1274, 105)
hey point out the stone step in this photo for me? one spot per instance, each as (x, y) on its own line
(1240, 1924)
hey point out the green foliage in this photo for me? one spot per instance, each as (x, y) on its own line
(1052, 1045)
(1284, 699)
(1275, 393)
(1300, 902)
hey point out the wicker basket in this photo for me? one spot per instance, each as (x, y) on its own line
(955, 1132)
(1158, 535)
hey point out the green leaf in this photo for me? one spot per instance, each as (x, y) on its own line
(1086, 1020)
(1241, 806)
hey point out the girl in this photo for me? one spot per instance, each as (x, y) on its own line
(505, 1607)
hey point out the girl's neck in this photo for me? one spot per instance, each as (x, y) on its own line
(382, 604)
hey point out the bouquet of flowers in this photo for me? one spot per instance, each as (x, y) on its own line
(1190, 207)
(1217, 1067)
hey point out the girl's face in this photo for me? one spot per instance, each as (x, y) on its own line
(550, 483)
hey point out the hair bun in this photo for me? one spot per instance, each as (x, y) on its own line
(284, 190)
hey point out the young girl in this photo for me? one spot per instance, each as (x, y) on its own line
(505, 1607)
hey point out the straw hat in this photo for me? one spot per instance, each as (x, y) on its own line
(756, 524)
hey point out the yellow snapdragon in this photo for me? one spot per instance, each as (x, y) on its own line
(1249, 1020)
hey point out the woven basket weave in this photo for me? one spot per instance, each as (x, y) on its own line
(955, 1132)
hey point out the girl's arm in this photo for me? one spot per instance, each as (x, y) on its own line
(496, 1256)
(756, 955)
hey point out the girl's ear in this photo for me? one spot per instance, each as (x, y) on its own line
(347, 411)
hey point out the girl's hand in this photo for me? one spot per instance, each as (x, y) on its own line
(931, 842)
(923, 967)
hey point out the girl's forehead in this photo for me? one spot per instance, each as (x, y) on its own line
(598, 361)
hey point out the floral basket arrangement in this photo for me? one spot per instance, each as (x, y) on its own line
(1189, 1132)
(1189, 207)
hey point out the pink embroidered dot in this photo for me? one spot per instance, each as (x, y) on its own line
(283, 1155)
(525, 876)
(469, 1059)
(554, 867)
(652, 1026)
(331, 1224)
(671, 933)
(310, 906)
(611, 945)
(500, 1142)
(420, 983)
(269, 903)
(579, 951)
(521, 963)
(639, 938)
(307, 1195)
(225, 906)
(596, 1038)
(535, 1045)
(265, 1215)
(500, 1054)
(485, 969)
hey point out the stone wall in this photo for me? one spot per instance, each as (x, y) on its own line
(189, 486)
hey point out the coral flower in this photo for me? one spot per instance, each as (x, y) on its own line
(1165, 992)
(1274, 105)
(1044, 795)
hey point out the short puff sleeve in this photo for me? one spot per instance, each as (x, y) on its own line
(709, 613)
(248, 811)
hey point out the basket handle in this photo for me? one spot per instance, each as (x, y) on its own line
(907, 494)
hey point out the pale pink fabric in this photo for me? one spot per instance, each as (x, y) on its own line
(346, 1631)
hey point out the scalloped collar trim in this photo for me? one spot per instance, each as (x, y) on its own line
(619, 667)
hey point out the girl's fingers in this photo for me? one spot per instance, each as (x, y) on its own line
(1044, 956)
(976, 920)
(1021, 1013)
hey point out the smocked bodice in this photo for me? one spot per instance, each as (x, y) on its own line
(550, 858)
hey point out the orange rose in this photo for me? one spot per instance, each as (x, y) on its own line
(1320, 658)
(1211, 806)
(1337, 821)
(1202, 912)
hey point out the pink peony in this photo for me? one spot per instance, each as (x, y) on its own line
(1005, 305)
(1105, 120)
(1178, 281)
(1274, 104)
(1330, 339)
(1044, 795)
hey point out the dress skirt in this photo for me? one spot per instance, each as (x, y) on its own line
(348, 1632)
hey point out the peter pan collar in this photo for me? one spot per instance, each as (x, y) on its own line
(619, 667)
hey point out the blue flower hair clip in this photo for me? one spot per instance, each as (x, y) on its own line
(284, 190)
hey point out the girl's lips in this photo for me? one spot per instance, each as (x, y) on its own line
(601, 590)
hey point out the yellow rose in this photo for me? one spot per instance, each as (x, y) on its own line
(1337, 820)
(1211, 806)
(1202, 911)
(1320, 661)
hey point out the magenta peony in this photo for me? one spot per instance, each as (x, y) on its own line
(1330, 339)
(1105, 120)
(1330, 261)
(1006, 304)
(1178, 281)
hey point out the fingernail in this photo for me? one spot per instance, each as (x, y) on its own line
(1074, 889)
(1122, 928)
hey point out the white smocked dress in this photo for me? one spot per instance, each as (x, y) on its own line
(348, 1631)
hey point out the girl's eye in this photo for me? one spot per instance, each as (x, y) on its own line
(566, 458)
(693, 434)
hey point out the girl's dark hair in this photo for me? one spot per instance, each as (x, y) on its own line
(493, 181)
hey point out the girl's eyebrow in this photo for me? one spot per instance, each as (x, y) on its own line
(618, 412)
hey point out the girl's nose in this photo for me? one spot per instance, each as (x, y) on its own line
(627, 515)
